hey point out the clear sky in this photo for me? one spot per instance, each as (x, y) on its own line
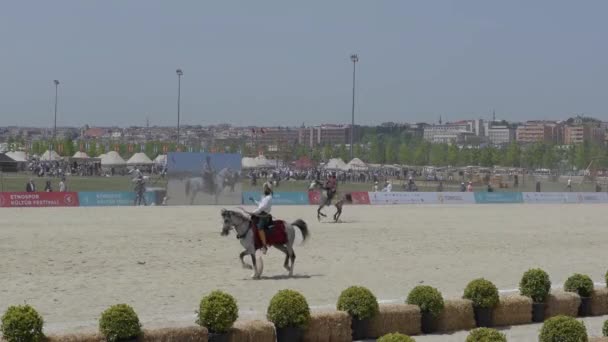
(287, 62)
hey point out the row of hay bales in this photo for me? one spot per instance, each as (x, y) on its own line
(358, 315)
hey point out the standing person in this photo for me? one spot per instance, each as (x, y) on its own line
(470, 187)
(208, 172)
(261, 215)
(47, 187)
(537, 186)
(440, 186)
(388, 187)
(30, 186)
(62, 186)
(463, 188)
(569, 186)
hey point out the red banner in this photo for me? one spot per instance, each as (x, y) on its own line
(38, 199)
(314, 197)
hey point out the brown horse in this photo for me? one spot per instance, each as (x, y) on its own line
(326, 201)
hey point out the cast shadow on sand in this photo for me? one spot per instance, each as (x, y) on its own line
(287, 277)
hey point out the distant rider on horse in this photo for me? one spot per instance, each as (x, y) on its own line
(261, 216)
(208, 173)
(331, 187)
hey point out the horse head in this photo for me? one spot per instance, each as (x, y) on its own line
(231, 219)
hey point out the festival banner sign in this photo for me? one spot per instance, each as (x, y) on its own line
(38, 199)
(586, 197)
(455, 198)
(358, 197)
(403, 198)
(112, 198)
(498, 197)
(545, 197)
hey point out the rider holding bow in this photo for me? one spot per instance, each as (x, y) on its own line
(262, 214)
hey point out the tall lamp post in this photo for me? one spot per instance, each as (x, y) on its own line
(354, 58)
(179, 85)
(56, 82)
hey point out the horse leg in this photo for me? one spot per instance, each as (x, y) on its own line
(243, 263)
(255, 274)
(283, 249)
(292, 256)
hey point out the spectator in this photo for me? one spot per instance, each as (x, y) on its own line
(30, 186)
(537, 186)
(470, 187)
(47, 187)
(598, 188)
(490, 188)
(62, 187)
(463, 187)
(440, 186)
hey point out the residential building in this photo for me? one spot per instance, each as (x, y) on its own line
(454, 132)
(581, 133)
(535, 131)
(500, 134)
(327, 135)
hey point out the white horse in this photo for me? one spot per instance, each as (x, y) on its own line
(221, 180)
(242, 224)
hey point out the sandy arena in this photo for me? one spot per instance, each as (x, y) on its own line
(71, 264)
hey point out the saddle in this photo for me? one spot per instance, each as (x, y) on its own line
(275, 235)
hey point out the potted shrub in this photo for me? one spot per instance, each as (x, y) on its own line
(22, 323)
(606, 276)
(430, 301)
(217, 312)
(289, 312)
(536, 284)
(583, 285)
(361, 304)
(486, 335)
(563, 329)
(395, 337)
(119, 323)
(605, 329)
(484, 296)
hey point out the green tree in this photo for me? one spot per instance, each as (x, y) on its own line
(453, 155)
(438, 155)
(327, 152)
(68, 147)
(512, 155)
(92, 152)
(357, 152)
(404, 154)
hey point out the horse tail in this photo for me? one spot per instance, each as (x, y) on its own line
(303, 228)
(187, 187)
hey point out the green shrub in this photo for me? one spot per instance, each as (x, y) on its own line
(217, 312)
(535, 284)
(359, 302)
(22, 324)
(563, 329)
(605, 328)
(579, 283)
(482, 292)
(119, 322)
(606, 277)
(428, 298)
(288, 308)
(395, 337)
(486, 335)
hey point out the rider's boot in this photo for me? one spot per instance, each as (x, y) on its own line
(263, 238)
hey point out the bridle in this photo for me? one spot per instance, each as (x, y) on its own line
(244, 234)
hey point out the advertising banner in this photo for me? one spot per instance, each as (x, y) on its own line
(278, 198)
(403, 198)
(455, 197)
(545, 197)
(203, 178)
(358, 197)
(112, 198)
(586, 197)
(498, 197)
(38, 199)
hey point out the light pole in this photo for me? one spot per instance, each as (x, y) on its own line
(179, 85)
(55, 121)
(354, 58)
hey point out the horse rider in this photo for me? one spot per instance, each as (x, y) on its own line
(261, 215)
(208, 172)
(331, 187)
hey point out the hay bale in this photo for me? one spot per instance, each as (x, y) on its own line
(252, 331)
(395, 318)
(562, 303)
(85, 337)
(331, 326)
(186, 334)
(457, 314)
(513, 310)
(599, 301)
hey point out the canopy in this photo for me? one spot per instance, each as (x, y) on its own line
(304, 163)
(161, 159)
(50, 155)
(18, 156)
(112, 158)
(357, 165)
(80, 155)
(257, 162)
(139, 159)
(335, 164)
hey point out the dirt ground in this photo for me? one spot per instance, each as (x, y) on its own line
(72, 263)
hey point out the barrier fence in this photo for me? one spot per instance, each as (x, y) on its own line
(117, 198)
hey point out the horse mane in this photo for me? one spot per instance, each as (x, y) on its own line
(230, 213)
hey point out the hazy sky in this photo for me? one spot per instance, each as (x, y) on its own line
(286, 62)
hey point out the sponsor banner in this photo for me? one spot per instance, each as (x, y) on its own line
(545, 197)
(38, 199)
(112, 198)
(586, 197)
(358, 197)
(403, 198)
(498, 197)
(455, 198)
(278, 198)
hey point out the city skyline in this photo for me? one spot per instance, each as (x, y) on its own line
(273, 63)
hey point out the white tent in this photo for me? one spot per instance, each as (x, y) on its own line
(248, 163)
(335, 164)
(80, 155)
(18, 156)
(50, 155)
(161, 159)
(112, 158)
(139, 159)
(257, 162)
(357, 165)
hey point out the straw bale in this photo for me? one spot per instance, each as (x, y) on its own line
(396, 318)
(513, 310)
(599, 302)
(457, 314)
(562, 303)
(333, 326)
(83, 337)
(185, 334)
(252, 331)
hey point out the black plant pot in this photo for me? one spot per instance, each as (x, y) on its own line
(483, 317)
(585, 308)
(428, 323)
(215, 337)
(360, 327)
(538, 312)
(289, 334)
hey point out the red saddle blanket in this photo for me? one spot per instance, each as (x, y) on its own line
(274, 236)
